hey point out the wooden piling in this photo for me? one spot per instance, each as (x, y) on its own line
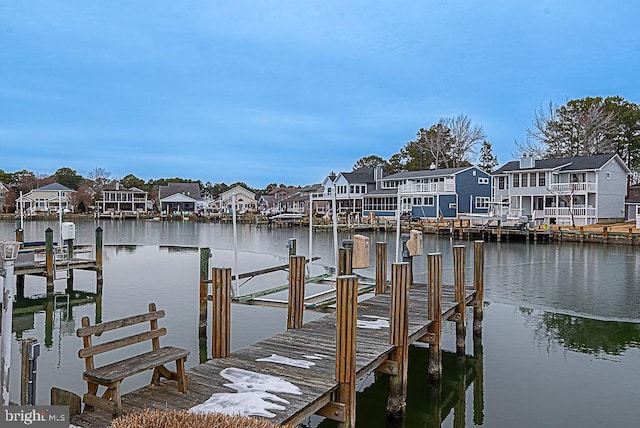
(24, 374)
(478, 383)
(434, 312)
(605, 235)
(459, 266)
(345, 265)
(295, 307)
(498, 234)
(19, 235)
(221, 312)
(381, 267)
(478, 286)
(48, 238)
(535, 236)
(99, 278)
(346, 319)
(205, 254)
(581, 234)
(399, 338)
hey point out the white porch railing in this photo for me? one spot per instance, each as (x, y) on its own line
(426, 188)
(566, 212)
(572, 187)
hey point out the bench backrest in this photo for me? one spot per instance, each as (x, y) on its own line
(86, 331)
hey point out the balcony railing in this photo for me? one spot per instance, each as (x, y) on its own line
(426, 188)
(572, 187)
(566, 212)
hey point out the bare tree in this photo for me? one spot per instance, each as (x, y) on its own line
(529, 147)
(464, 139)
(436, 141)
(545, 130)
(100, 178)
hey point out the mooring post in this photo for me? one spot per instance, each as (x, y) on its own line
(459, 266)
(498, 233)
(48, 248)
(581, 234)
(460, 230)
(48, 320)
(221, 312)
(291, 245)
(345, 259)
(30, 350)
(478, 286)
(19, 235)
(399, 338)
(381, 267)
(346, 319)
(295, 307)
(434, 309)
(605, 235)
(205, 255)
(99, 278)
(70, 271)
(535, 236)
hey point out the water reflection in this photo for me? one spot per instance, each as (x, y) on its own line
(584, 335)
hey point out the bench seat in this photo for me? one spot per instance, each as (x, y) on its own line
(120, 370)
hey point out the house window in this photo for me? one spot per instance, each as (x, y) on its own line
(501, 183)
(482, 202)
(516, 180)
(541, 179)
(428, 201)
(483, 180)
(452, 206)
(532, 179)
(525, 180)
(417, 201)
(608, 175)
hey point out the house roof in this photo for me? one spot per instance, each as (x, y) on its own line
(177, 197)
(53, 187)
(575, 163)
(382, 192)
(364, 174)
(426, 173)
(189, 189)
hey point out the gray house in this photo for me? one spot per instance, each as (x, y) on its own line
(179, 198)
(431, 193)
(573, 190)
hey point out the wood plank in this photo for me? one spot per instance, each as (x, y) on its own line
(90, 351)
(123, 322)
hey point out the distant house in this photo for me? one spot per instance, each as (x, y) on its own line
(4, 190)
(179, 198)
(632, 201)
(583, 190)
(245, 200)
(298, 202)
(118, 199)
(432, 193)
(46, 199)
(271, 202)
(350, 189)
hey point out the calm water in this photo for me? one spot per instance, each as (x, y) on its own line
(560, 348)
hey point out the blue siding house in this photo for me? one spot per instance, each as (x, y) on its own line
(431, 194)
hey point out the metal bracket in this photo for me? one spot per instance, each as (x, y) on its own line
(454, 317)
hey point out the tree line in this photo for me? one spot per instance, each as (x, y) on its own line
(86, 189)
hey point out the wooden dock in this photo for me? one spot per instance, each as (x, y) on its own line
(342, 346)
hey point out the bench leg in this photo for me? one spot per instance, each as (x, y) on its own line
(116, 398)
(181, 377)
(155, 378)
(92, 389)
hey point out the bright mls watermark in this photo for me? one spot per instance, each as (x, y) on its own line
(36, 416)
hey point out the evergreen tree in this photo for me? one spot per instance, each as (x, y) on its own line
(487, 161)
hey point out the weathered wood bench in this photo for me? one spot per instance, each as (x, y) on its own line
(112, 374)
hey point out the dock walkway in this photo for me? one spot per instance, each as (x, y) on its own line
(316, 338)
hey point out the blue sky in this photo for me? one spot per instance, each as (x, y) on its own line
(287, 91)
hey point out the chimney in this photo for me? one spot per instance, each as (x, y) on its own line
(527, 161)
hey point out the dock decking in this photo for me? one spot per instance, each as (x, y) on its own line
(317, 383)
